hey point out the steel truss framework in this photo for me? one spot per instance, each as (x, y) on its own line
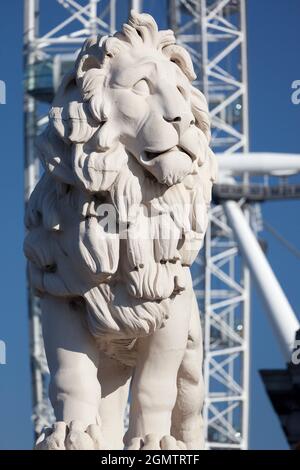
(214, 34)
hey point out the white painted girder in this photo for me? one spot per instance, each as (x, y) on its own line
(277, 164)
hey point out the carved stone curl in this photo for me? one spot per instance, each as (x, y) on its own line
(114, 224)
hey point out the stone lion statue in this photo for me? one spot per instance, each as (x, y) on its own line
(114, 224)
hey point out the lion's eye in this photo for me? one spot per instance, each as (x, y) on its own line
(183, 92)
(141, 87)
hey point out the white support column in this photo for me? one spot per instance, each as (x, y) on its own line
(93, 17)
(136, 5)
(30, 31)
(255, 163)
(281, 314)
(31, 176)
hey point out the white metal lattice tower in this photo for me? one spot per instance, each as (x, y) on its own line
(214, 32)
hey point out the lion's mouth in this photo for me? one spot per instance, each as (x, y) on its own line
(148, 157)
(169, 166)
(152, 155)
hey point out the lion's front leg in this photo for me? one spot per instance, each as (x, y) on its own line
(187, 421)
(74, 389)
(115, 379)
(154, 387)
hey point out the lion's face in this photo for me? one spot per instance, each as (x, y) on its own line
(151, 106)
(138, 88)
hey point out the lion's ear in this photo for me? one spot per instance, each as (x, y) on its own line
(90, 78)
(182, 58)
(85, 64)
(90, 57)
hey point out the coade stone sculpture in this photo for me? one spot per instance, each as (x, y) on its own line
(114, 224)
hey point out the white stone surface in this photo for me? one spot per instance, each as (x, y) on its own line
(113, 226)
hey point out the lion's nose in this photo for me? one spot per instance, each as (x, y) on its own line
(172, 119)
(180, 122)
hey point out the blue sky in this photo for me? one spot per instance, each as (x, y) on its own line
(273, 53)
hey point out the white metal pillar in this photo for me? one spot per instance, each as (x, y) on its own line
(38, 364)
(227, 306)
(282, 317)
(259, 163)
(136, 5)
(225, 301)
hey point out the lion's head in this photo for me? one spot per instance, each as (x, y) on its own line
(127, 128)
(135, 89)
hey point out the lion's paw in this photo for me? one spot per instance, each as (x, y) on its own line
(76, 436)
(155, 442)
(52, 438)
